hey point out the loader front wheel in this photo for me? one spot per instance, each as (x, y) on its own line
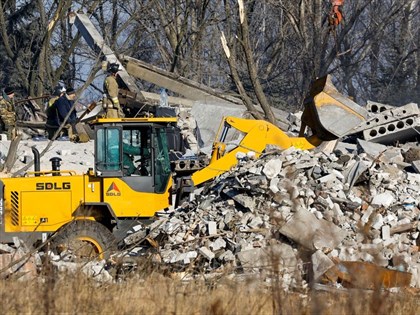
(84, 240)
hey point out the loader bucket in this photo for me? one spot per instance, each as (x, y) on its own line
(330, 114)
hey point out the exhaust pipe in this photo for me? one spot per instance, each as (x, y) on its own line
(55, 165)
(36, 161)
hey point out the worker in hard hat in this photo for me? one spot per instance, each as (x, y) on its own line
(7, 111)
(111, 103)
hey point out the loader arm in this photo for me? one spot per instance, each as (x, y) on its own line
(257, 135)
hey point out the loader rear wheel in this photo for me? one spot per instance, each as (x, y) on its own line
(85, 240)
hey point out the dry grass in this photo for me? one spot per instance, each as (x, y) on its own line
(155, 294)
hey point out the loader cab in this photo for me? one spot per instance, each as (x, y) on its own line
(134, 150)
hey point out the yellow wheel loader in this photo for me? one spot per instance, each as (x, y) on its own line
(132, 177)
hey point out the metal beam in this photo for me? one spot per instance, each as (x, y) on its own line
(98, 45)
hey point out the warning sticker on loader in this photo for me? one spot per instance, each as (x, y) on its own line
(30, 220)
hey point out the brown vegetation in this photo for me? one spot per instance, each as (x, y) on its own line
(156, 294)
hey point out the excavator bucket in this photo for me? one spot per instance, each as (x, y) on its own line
(330, 114)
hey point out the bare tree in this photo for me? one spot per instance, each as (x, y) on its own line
(232, 56)
(275, 50)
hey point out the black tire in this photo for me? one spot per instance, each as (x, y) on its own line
(85, 240)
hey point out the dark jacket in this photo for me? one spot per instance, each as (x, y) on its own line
(58, 111)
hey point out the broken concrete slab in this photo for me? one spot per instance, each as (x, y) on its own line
(274, 257)
(400, 130)
(386, 232)
(345, 148)
(219, 243)
(207, 253)
(242, 199)
(353, 173)
(320, 264)
(370, 148)
(6, 249)
(376, 107)
(305, 229)
(383, 200)
(272, 168)
(212, 228)
(388, 114)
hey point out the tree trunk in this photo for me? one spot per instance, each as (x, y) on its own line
(252, 69)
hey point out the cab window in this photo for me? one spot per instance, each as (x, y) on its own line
(137, 151)
(161, 160)
(108, 150)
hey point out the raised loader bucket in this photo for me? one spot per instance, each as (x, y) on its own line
(330, 114)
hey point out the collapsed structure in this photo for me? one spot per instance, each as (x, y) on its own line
(347, 215)
(304, 215)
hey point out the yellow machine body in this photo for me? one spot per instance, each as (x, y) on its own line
(45, 203)
(124, 185)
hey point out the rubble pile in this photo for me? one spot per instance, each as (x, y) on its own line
(293, 208)
(16, 260)
(21, 262)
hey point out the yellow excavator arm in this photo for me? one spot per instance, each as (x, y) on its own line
(257, 135)
(328, 114)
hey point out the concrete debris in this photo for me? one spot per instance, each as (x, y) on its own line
(189, 131)
(16, 261)
(207, 253)
(268, 214)
(370, 148)
(346, 212)
(385, 124)
(272, 168)
(384, 199)
(75, 156)
(388, 124)
(279, 257)
(92, 269)
(320, 264)
(312, 233)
